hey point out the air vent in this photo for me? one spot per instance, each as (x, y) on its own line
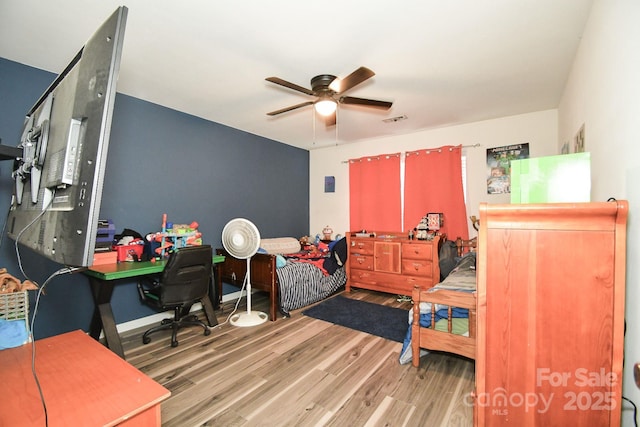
(395, 119)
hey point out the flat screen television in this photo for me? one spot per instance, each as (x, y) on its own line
(60, 173)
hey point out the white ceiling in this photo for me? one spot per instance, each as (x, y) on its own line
(440, 62)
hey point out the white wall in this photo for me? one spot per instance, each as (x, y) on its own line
(603, 92)
(539, 129)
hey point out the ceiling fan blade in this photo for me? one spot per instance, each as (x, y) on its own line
(353, 79)
(290, 85)
(385, 105)
(293, 107)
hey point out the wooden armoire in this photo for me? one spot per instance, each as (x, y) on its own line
(551, 293)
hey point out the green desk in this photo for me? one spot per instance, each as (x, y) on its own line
(103, 278)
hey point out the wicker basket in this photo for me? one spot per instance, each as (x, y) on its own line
(15, 306)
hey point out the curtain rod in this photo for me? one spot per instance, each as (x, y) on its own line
(476, 145)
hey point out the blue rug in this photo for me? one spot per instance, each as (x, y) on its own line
(375, 319)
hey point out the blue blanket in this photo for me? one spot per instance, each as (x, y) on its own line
(425, 322)
(13, 333)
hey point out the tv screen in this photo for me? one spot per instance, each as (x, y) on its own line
(59, 175)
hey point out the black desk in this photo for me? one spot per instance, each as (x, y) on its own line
(102, 279)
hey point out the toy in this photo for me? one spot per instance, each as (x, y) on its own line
(427, 228)
(305, 240)
(174, 236)
(327, 232)
(422, 229)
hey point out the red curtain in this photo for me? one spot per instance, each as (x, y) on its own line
(374, 193)
(433, 183)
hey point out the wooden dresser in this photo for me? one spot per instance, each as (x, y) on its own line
(390, 262)
(551, 289)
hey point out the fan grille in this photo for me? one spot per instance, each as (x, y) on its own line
(241, 238)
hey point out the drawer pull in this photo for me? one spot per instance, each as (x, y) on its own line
(417, 266)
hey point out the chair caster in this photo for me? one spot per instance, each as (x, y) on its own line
(207, 332)
(146, 340)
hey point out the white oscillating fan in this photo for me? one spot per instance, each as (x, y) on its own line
(241, 239)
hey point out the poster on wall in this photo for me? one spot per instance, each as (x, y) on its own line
(498, 164)
(329, 184)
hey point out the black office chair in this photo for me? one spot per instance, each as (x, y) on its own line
(183, 282)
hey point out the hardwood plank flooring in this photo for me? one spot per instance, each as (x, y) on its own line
(300, 371)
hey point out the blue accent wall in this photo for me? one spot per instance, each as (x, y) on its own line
(159, 161)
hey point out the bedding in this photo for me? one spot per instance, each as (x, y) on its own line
(307, 278)
(292, 280)
(303, 283)
(461, 280)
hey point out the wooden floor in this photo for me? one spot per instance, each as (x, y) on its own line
(300, 371)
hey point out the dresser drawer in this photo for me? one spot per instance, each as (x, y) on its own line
(387, 282)
(417, 267)
(361, 262)
(364, 277)
(417, 250)
(362, 247)
(408, 283)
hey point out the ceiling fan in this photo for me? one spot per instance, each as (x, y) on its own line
(329, 89)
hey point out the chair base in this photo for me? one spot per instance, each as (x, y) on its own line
(175, 324)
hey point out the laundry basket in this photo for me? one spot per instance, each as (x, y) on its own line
(14, 319)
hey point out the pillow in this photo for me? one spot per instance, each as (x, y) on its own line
(280, 261)
(280, 245)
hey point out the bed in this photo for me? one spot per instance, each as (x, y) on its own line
(443, 318)
(292, 276)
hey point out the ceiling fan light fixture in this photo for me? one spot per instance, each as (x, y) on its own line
(329, 90)
(325, 106)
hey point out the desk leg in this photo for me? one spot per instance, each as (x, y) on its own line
(103, 319)
(212, 320)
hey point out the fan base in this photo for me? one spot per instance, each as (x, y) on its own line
(249, 319)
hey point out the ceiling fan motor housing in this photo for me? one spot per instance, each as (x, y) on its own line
(321, 83)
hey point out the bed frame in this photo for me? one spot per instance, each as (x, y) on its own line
(430, 338)
(263, 275)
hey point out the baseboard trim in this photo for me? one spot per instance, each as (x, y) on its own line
(157, 318)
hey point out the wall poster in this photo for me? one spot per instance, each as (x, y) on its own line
(329, 184)
(498, 166)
